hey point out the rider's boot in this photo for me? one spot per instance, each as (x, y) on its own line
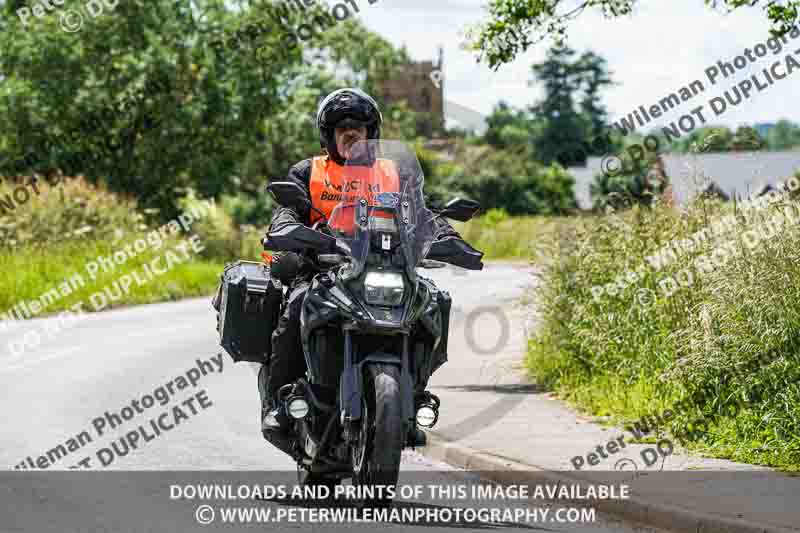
(275, 419)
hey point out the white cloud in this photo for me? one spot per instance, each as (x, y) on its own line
(657, 50)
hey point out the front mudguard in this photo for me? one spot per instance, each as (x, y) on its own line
(351, 387)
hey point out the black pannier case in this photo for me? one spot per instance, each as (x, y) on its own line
(445, 303)
(249, 303)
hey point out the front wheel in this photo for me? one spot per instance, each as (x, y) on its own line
(376, 454)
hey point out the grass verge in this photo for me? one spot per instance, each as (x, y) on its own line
(39, 271)
(695, 314)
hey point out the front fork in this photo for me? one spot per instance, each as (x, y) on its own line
(351, 386)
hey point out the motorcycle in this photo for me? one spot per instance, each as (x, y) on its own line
(373, 329)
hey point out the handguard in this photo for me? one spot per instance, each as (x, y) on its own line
(296, 237)
(455, 251)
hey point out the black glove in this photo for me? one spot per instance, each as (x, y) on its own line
(285, 266)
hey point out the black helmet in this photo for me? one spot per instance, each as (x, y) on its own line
(347, 107)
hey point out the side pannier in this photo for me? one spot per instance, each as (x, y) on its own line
(249, 302)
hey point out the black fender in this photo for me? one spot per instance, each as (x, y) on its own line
(351, 387)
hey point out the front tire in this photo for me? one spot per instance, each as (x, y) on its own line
(376, 455)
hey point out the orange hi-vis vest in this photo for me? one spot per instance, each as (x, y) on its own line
(332, 184)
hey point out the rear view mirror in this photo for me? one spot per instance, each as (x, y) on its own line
(288, 193)
(461, 209)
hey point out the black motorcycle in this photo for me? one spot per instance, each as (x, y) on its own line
(373, 330)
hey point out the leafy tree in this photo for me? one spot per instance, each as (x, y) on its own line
(514, 25)
(507, 127)
(783, 135)
(137, 98)
(504, 179)
(562, 121)
(747, 138)
(595, 76)
(705, 140)
(159, 96)
(562, 126)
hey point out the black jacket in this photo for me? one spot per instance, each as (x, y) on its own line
(301, 175)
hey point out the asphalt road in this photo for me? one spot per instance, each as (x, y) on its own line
(145, 389)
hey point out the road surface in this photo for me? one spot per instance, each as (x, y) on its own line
(146, 389)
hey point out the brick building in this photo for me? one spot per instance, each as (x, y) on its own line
(415, 85)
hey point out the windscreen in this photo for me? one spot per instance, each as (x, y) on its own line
(381, 211)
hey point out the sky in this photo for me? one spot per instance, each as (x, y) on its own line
(663, 46)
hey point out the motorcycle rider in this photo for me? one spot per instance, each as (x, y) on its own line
(344, 117)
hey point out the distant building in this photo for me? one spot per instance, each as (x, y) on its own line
(735, 174)
(416, 86)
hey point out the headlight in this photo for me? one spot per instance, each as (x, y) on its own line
(383, 288)
(298, 408)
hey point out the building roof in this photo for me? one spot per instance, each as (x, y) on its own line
(736, 173)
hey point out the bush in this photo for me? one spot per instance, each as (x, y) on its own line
(69, 208)
(248, 210)
(507, 179)
(640, 181)
(224, 240)
(494, 216)
(54, 235)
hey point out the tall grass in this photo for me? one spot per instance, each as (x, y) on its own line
(728, 343)
(56, 233)
(501, 236)
(59, 209)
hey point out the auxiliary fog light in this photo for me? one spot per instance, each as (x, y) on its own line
(427, 416)
(298, 408)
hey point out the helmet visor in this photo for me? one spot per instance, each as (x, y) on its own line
(350, 122)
